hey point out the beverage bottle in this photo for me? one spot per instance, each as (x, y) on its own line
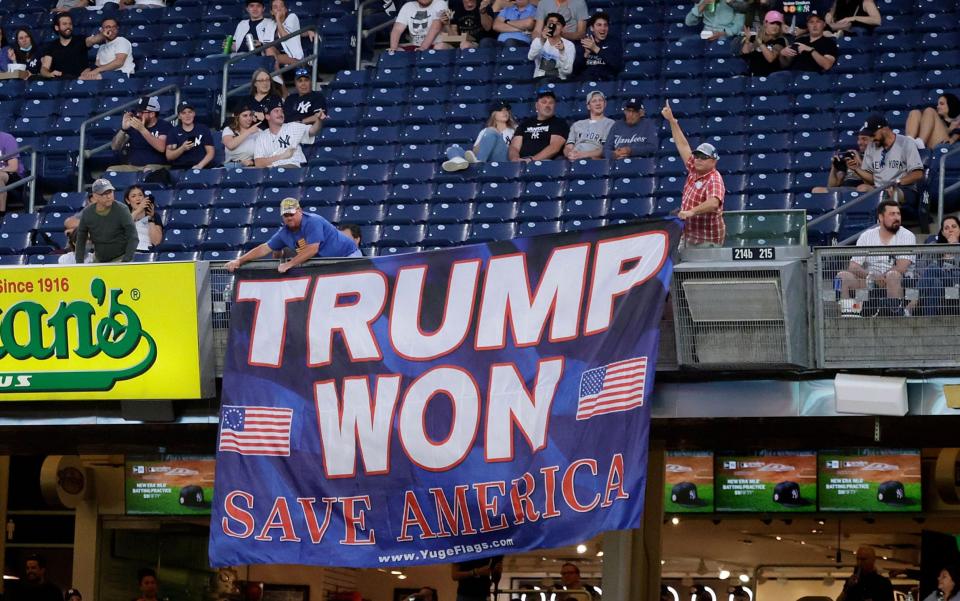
(228, 45)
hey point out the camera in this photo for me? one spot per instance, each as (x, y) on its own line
(841, 157)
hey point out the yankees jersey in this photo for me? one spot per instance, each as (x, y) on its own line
(289, 136)
(201, 136)
(298, 108)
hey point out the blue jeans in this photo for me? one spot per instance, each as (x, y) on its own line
(491, 148)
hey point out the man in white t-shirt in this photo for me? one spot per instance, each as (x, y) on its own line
(115, 54)
(279, 144)
(424, 19)
(885, 270)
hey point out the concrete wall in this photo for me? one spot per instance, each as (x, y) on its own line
(773, 590)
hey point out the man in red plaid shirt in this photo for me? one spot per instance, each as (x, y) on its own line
(702, 206)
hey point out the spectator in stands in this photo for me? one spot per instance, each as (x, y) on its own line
(70, 223)
(70, 256)
(471, 20)
(515, 22)
(291, 51)
(24, 51)
(892, 162)
(934, 125)
(306, 106)
(813, 51)
(115, 54)
(143, 138)
(11, 168)
(263, 91)
(352, 231)
(587, 136)
(309, 235)
(762, 50)
(885, 270)
(262, 29)
(540, 138)
(703, 192)
(634, 136)
(847, 14)
(492, 144)
(940, 271)
(5, 53)
(842, 165)
(109, 225)
(240, 139)
(717, 18)
(66, 57)
(551, 53)
(279, 144)
(190, 145)
(423, 19)
(574, 15)
(600, 57)
(145, 218)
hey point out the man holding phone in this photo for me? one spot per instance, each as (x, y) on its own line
(812, 52)
(866, 584)
(551, 53)
(143, 138)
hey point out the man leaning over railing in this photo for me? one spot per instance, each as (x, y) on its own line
(885, 271)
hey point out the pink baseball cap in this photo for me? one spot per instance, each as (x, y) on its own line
(773, 16)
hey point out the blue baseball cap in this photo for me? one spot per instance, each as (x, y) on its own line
(301, 72)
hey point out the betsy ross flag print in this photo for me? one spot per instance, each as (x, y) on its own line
(612, 388)
(255, 430)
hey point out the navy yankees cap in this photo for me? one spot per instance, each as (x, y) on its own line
(788, 493)
(892, 492)
(271, 102)
(685, 493)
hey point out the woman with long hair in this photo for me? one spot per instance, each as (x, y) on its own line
(145, 218)
(261, 87)
(939, 272)
(239, 139)
(23, 50)
(935, 125)
(491, 144)
(761, 50)
(948, 585)
(845, 15)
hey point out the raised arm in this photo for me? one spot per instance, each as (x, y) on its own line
(683, 147)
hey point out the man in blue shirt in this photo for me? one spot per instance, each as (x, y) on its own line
(190, 145)
(515, 22)
(632, 137)
(143, 138)
(308, 235)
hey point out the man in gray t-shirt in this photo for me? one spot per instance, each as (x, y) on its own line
(892, 162)
(587, 136)
(574, 13)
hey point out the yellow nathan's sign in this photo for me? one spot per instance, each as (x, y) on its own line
(106, 331)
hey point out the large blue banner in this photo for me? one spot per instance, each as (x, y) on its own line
(440, 406)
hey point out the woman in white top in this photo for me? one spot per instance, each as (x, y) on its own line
(287, 23)
(239, 139)
(492, 142)
(145, 218)
(947, 585)
(551, 53)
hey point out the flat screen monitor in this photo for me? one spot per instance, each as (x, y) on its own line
(870, 480)
(688, 482)
(169, 485)
(766, 482)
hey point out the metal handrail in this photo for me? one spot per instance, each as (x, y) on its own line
(845, 206)
(225, 93)
(30, 179)
(81, 161)
(361, 34)
(943, 175)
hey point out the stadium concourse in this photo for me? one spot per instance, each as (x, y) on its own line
(377, 163)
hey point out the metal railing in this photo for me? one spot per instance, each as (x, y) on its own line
(30, 179)
(81, 160)
(361, 34)
(942, 182)
(234, 58)
(843, 208)
(879, 307)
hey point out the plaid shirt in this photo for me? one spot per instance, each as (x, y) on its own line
(706, 227)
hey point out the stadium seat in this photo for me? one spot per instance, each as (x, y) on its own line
(492, 232)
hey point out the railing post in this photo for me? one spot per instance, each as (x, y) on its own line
(32, 202)
(942, 178)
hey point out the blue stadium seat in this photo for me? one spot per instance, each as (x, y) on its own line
(499, 192)
(630, 208)
(273, 196)
(584, 208)
(284, 176)
(588, 169)
(543, 190)
(420, 134)
(811, 160)
(15, 223)
(175, 239)
(329, 212)
(815, 204)
(13, 259)
(410, 193)
(326, 175)
(402, 235)
(412, 173)
(451, 212)
(322, 195)
(199, 178)
(445, 234)
(670, 185)
(362, 214)
(628, 187)
(227, 217)
(167, 256)
(242, 178)
(186, 218)
(236, 197)
(767, 202)
(455, 192)
(337, 136)
(492, 232)
(769, 162)
(364, 194)
(544, 210)
(537, 228)
(671, 165)
(544, 170)
(583, 224)
(496, 212)
(193, 199)
(387, 97)
(70, 202)
(498, 172)
(268, 216)
(259, 235)
(585, 188)
(368, 174)
(383, 153)
(407, 213)
(769, 183)
(224, 238)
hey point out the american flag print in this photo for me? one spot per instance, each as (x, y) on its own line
(256, 430)
(612, 388)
